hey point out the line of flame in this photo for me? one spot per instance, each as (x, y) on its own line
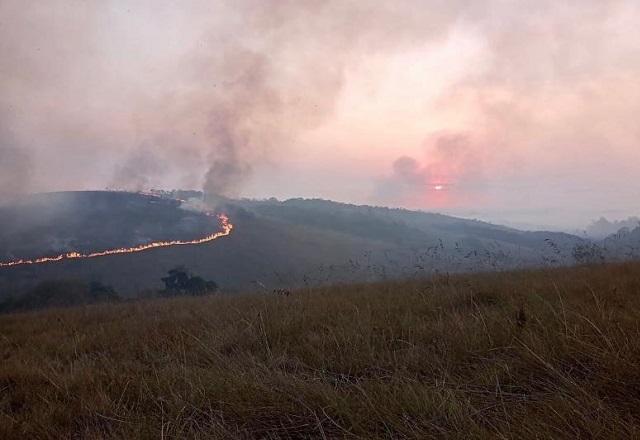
(226, 225)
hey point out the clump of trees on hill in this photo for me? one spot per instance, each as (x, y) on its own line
(60, 293)
(180, 282)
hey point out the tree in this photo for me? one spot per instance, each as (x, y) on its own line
(177, 279)
(180, 282)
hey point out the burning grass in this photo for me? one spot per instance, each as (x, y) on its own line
(227, 227)
(531, 354)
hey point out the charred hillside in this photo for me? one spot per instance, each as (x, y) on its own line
(274, 244)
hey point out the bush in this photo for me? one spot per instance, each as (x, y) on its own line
(60, 293)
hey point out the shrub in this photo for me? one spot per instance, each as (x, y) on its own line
(60, 293)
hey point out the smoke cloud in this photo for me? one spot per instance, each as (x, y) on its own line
(14, 175)
(136, 173)
(239, 87)
(15, 166)
(452, 168)
(515, 99)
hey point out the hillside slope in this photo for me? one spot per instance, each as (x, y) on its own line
(529, 354)
(274, 244)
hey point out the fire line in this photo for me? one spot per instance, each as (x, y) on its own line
(226, 225)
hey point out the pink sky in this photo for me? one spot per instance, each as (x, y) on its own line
(517, 112)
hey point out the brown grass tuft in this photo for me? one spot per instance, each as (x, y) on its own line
(532, 354)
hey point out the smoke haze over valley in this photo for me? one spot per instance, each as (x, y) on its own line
(515, 113)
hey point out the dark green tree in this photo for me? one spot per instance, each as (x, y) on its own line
(180, 282)
(177, 280)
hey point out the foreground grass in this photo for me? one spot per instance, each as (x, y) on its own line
(524, 354)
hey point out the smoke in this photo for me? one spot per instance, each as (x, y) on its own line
(14, 171)
(202, 93)
(15, 166)
(235, 85)
(281, 73)
(136, 173)
(242, 120)
(453, 168)
(603, 227)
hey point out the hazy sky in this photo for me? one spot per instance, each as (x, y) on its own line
(512, 111)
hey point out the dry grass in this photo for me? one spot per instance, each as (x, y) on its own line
(546, 354)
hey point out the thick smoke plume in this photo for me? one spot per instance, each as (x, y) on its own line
(201, 93)
(240, 87)
(281, 74)
(15, 166)
(14, 175)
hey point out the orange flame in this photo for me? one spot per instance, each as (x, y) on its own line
(226, 225)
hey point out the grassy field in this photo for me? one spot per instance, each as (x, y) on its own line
(536, 354)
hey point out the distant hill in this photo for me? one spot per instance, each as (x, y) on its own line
(274, 244)
(623, 245)
(603, 228)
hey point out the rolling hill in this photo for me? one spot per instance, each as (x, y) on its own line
(274, 243)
